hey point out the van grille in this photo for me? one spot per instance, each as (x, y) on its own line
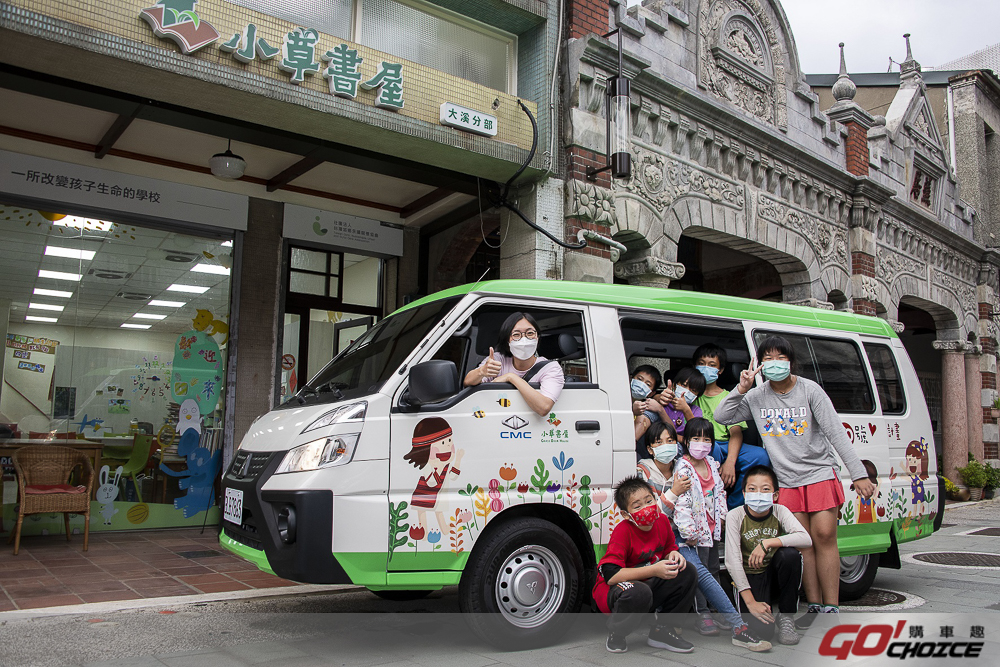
(248, 466)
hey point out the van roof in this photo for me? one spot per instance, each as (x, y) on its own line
(673, 301)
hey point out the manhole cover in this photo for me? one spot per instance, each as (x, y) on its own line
(959, 559)
(199, 554)
(988, 532)
(876, 598)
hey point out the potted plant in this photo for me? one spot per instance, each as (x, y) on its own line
(995, 408)
(953, 492)
(992, 481)
(975, 477)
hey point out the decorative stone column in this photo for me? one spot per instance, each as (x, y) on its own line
(986, 295)
(974, 400)
(954, 407)
(649, 271)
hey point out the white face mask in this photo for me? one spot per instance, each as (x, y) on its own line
(524, 348)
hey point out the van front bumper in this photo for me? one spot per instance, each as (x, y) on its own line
(292, 529)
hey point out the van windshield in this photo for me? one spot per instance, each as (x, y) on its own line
(364, 366)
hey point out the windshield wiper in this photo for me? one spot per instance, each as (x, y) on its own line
(332, 388)
(306, 390)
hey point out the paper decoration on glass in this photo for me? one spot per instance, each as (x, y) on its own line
(176, 20)
(468, 120)
(28, 366)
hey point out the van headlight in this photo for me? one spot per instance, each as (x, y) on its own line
(323, 453)
(347, 413)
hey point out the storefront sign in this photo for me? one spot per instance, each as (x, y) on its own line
(178, 21)
(341, 230)
(41, 178)
(468, 120)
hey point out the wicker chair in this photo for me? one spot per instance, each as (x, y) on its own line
(43, 473)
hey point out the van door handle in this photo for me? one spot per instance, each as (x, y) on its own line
(585, 426)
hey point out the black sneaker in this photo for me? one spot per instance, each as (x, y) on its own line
(805, 621)
(616, 644)
(743, 637)
(663, 637)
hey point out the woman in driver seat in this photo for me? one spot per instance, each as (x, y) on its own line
(516, 354)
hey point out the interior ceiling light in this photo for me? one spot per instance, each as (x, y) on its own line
(59, 275)
(45, 306)
(134, 296)
(228, 166)
(135, 326)
(168, 304)
(193, 289)
(109, 274)
(149, 316)
(72, 253)
(211, 268)
(52, 292)
(36, 318)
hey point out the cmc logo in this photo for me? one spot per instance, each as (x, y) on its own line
(871, 640)
(515, 435)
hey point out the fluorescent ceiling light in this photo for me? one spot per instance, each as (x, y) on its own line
(227, 244)
(84, 224)
(211, 268)
(35, 318)
(58, 275)
(193, 289)
(149, 316)
(45, 306)
(72, 253)
(167, 304)
(135, 326)
(52, 292)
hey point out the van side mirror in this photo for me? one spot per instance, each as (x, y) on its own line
(432, 381)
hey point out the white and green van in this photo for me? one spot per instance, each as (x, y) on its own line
(320, 488)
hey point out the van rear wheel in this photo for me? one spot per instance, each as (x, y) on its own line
(857, 574)
(521, 584)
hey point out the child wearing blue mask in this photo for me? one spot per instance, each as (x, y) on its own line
(803, 432)
(763, 558)
(734, 456)
(658, 471)
(645, 380)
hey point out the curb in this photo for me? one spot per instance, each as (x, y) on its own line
(96, 608)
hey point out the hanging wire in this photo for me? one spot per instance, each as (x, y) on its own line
(498, 195)
(482, 230)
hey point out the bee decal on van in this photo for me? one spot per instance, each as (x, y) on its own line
(504, 401)
(477, 413)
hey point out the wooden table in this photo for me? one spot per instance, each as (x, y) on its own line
(91, 449)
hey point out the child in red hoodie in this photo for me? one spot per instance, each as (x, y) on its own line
(642, 571)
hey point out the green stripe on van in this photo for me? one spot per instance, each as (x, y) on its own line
(864, 538)
(255, 556)
(673, 301)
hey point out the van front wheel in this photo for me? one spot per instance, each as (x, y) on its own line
(857, 574)
(522, 584)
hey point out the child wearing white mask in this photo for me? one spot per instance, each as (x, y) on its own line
(658, 471)
(514, 356)
(762, 556)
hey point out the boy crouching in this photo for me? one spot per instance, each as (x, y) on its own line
(642, 571)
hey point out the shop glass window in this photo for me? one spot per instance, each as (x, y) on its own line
(411, 30)
(314, 272)
(887, 380)
(835, 365)
(115, 344)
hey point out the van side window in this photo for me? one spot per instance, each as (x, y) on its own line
(835, 365)
(887, 381)
(562, 338)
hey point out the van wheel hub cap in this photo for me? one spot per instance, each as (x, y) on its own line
(530, 586)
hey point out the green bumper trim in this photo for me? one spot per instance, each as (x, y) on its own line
(255, 556)
(864, 538)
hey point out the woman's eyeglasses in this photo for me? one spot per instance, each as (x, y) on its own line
(530, 335)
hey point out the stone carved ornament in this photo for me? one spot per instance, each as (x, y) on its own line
(661, 180)
(892, 264)
(964, 292)
(591, 203)
(827, 240)
(869, 288)
(649, 266)
(745, 79)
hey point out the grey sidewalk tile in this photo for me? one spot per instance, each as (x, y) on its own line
(133, 661)
(252, 654)
(214, 659)
(458, 658)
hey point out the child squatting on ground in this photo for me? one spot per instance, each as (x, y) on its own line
(763, 558)
(642, 571)
(670, 488)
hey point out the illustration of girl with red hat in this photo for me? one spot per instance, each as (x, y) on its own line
(432, 446)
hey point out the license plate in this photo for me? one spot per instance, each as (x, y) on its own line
(232, 508)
